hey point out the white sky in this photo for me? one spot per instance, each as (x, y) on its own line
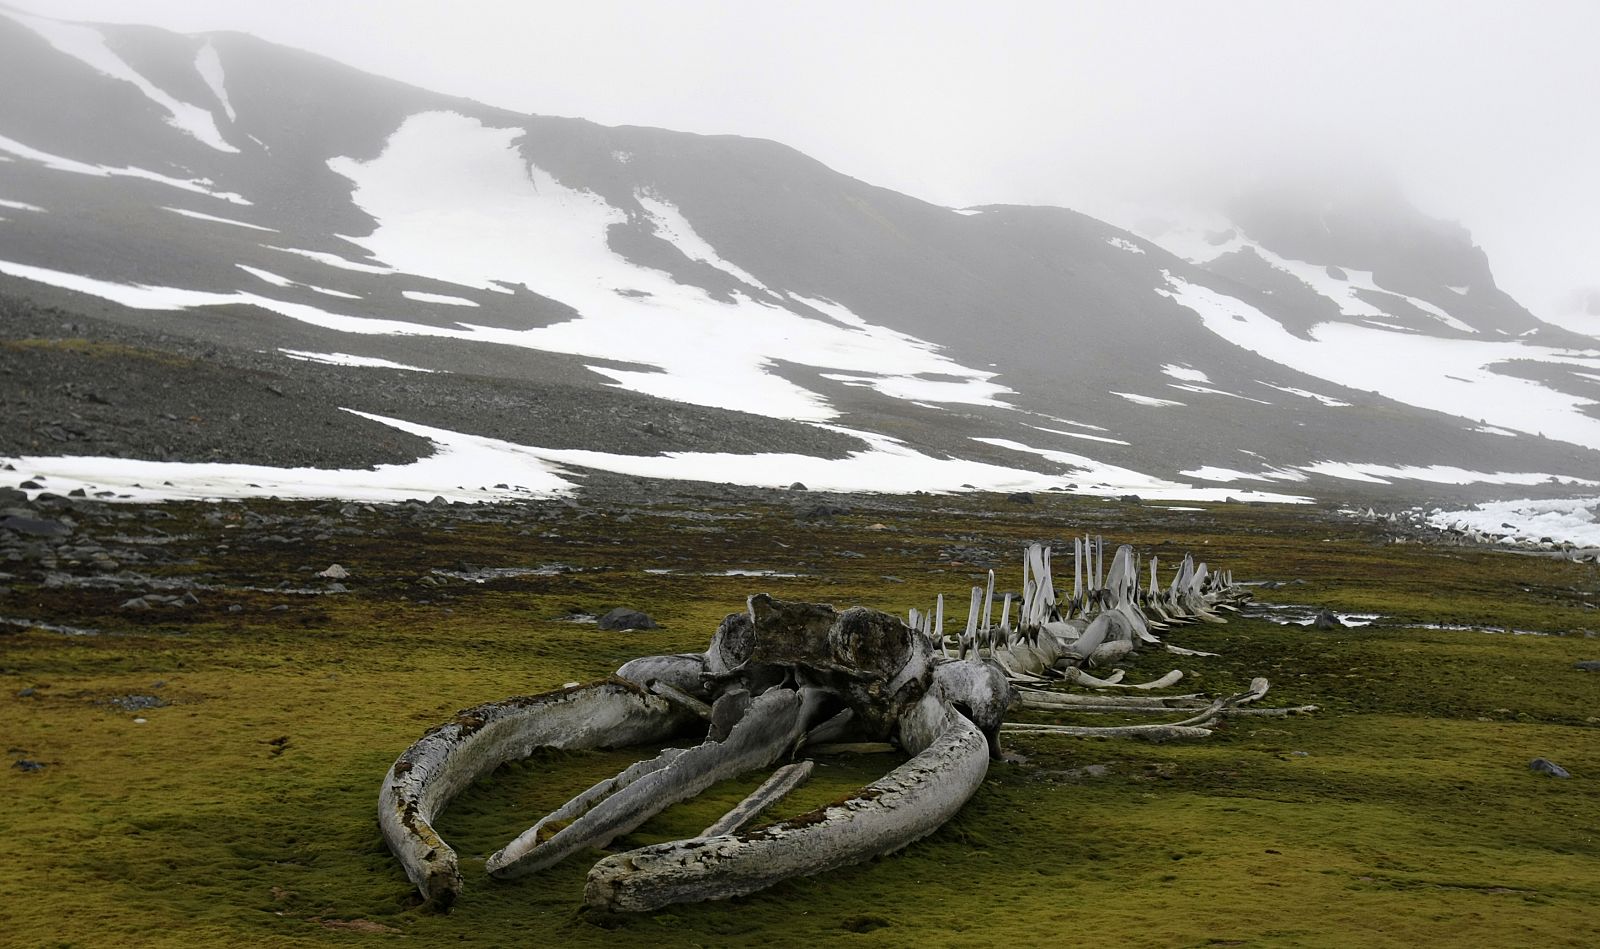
(1487, 112)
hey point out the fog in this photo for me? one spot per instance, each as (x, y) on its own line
(1484, 112)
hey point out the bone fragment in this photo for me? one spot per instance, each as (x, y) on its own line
(771, 791)
(681, 699)
(852, 748)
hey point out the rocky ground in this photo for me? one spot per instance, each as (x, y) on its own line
(201, 699)
(72, 383)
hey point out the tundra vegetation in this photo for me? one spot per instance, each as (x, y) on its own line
(206, 768)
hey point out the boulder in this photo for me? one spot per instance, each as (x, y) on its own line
(623, 618)
(34, 526)
(1326, 619)
(1546, 766)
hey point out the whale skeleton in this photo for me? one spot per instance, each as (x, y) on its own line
(785, 679)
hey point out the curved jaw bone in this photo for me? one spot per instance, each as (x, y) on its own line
(447, 759)
(909, 803)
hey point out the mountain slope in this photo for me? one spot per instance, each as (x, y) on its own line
(249, 195)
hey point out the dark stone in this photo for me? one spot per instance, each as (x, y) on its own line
(623, 618)
(1587, 665)
(26, 765)
(1132, 499)
(1327, 620)
(30, 485)
(1021, 497)
(821, 512)
(35, 526)
(1546, 766)
(797, 486)
(10, 495)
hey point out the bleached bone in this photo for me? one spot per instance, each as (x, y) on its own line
(1080, 677)
(449, 758)
(681, 699)
(771, 791)
(774, 722)
(911, 802)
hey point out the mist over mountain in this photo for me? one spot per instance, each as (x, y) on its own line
(513, 299)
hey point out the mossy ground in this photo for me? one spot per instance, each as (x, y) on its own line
(243, 811)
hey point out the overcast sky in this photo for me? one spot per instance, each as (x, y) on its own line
(1487, 113)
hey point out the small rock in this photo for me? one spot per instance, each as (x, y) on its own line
(797, 486)
(29, 692)
(1587, 665)
(1546, 766)
(137, 603)
(25, 765)
(622, 618)
(335, 572)
(235, 608)
(1327, 620)
(34, 526)
(1020, 497)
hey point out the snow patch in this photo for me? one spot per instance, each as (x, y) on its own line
(346, 359)
(458, 460)
(266, 275)
(456, 202)
(1437, 474)
(1146, 399)
(219, 220)
(1185, 373)
(335, 261)
(1446, 375)
(672, 227)
(1327, 400)
(1230, 475)
(422, 296)
(1573, 520)
(21, 206)
(1207, 390)
(1083, 435)
(1105, 479)
(209, 65)
(73, 166)
(1122, 243)
(86, 44)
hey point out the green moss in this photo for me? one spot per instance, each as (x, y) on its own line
(243, 811)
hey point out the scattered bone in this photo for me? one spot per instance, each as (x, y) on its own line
(771, 791)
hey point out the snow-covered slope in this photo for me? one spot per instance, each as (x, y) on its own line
(227, 189)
